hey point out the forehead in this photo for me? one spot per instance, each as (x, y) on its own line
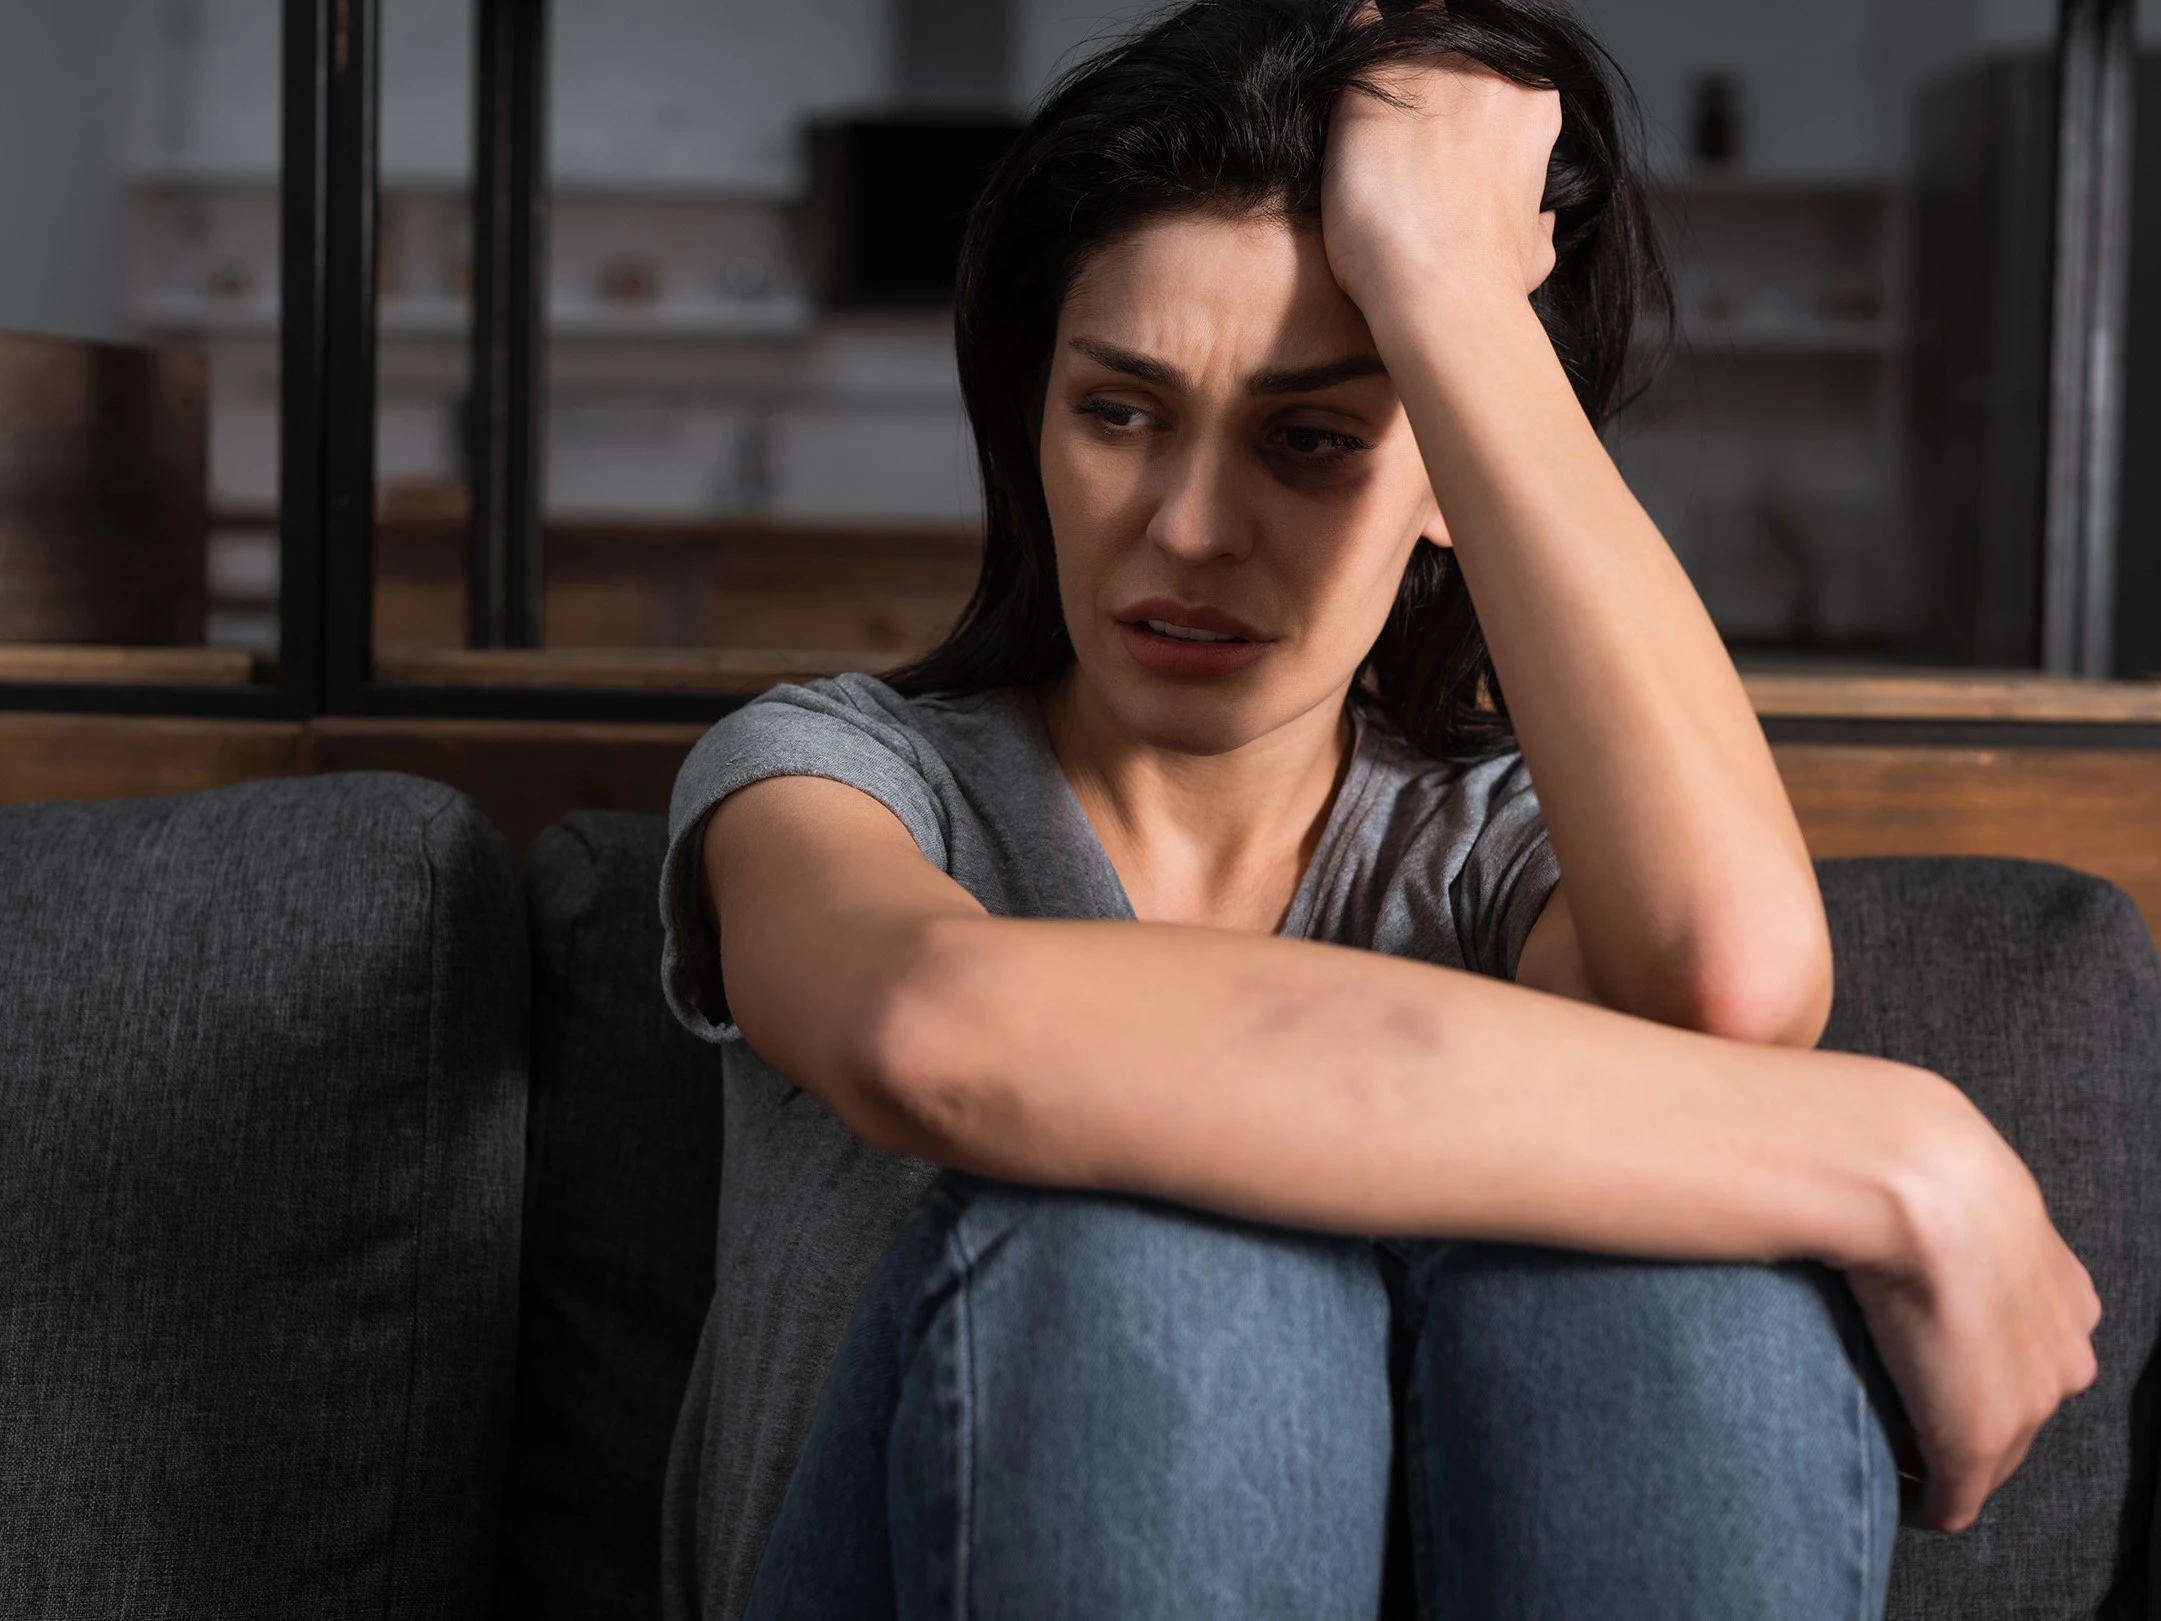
(1204, 291)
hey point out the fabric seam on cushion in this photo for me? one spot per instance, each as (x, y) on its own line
(539, 1103)
(420, 1208)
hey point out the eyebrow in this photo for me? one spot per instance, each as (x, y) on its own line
(1312, 379)
(1296, 380)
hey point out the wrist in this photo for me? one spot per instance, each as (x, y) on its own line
(1405, 290)
(1919, 1144)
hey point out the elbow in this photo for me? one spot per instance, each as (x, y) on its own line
(1760, 975)
(1766, 984)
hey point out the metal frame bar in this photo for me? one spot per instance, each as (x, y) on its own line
(2097, 86)
(302, 320)
(344, 399)
(509, 338)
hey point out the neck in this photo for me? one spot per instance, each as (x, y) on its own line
(1217, 839)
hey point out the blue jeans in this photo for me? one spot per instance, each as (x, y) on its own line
(1056, 1405)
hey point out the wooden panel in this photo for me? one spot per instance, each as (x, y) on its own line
(887, 590)
(103, 459)
(524, 774)
(122, 757)
(2097, 810)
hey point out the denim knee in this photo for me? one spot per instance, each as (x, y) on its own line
(1676, 1439)
(1118, 1407)
(1758, 1341)
(1101, 1267)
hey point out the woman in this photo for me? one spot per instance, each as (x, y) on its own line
(1285, 331)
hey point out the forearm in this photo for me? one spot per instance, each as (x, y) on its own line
(1322, 1087)
(1665, 807)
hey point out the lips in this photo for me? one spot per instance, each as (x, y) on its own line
(1188, 640)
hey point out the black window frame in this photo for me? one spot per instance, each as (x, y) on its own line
(330, 203)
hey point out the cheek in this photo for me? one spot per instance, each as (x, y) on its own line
(1353, 570)
(1088, 493)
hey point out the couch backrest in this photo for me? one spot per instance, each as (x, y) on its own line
(2031, 986)
(2035, 989)
(261, 1153)
(624, 1190)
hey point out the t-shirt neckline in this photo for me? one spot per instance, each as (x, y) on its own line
(1343, 813)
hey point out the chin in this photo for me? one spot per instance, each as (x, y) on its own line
(1199, 717)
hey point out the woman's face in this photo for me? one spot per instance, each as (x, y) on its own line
(1233, 487)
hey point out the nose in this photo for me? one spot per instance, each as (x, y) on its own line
(1199, 516)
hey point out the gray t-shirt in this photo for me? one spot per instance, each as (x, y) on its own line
(1447, 864)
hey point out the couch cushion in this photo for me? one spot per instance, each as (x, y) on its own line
(623, 1194)
(261, 1141)
(2034, 988)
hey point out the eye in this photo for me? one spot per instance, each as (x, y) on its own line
(1115, 415)
(1306, 443)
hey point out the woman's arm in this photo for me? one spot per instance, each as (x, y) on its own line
(1688, 895)
(1322, 1087)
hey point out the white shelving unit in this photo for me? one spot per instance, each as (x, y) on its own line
(1768, 445)
(691, 371)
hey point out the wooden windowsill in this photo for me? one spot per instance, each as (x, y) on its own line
(1939, 695)
(69, 664)
(1921, 695)
(1955, 695)
(747, 669)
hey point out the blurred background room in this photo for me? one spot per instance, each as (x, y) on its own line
(735, 448)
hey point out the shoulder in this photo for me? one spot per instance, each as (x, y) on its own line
(908, 753)
(1412, 788)
(1440, 860)
(831, 706)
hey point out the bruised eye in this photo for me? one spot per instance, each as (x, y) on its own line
(1318, 444)
(1113, 414)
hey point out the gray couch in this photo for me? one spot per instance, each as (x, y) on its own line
(356, 1204)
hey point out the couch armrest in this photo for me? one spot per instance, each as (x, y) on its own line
(262, 1102)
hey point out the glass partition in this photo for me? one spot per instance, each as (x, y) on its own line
(138, 343)
(424, 298)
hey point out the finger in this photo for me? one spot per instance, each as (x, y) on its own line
(2089, 1298)
(1953, 1503)
(2012, 1458)
(2083, 1367)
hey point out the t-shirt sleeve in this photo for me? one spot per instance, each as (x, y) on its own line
(839, 730)
(1509, 872)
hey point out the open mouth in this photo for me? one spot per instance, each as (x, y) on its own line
(1161, 637)
(1187, 633)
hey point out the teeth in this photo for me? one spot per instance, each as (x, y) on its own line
(1186, 633)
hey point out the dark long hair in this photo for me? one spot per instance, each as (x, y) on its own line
(1224, 106)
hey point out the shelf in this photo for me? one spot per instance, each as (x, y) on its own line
(1802, 336)
(1798, 188)
(448, 318)
(167, 175)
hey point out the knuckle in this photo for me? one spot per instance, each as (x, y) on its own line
(2085, 1368)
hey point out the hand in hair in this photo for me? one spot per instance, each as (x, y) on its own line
(1438, 179)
